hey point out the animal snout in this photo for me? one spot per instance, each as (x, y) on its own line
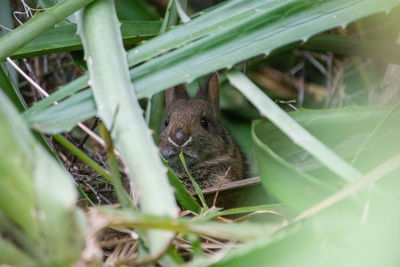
(180, 139)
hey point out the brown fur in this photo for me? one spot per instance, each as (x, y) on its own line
(212, 149)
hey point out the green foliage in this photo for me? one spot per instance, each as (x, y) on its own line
(37, 214)
(364, 137)
(334, 171)
(119, 110)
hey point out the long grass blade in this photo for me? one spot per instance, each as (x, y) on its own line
(291, 128)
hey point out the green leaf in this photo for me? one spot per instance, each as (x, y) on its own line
(12, 255)
(380, 50)
(363, 135)
(293, 130)
(37, 196)
(64, 38)
(8, 88)
(341, 234)
(63, 116)
(194, 183)
(25, 33)
(235, 31)
(240, 231)
(119, 109)
(182, 196)
(123, 197)
(139, 10)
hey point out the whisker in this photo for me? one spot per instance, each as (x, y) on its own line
(172, 142)
(188, 141)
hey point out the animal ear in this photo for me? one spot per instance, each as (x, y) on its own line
(209, 91)
(174, 93)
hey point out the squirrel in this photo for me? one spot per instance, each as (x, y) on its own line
(192, 126)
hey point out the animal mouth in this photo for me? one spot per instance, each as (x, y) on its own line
(173, 152)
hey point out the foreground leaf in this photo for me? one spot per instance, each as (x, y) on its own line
(37, 198)
(362, 136)
(119, 110)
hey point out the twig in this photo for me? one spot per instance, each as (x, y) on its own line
(219, 187)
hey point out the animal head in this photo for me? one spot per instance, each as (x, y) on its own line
(191, 126)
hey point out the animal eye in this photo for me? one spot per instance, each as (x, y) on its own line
(166, 122)
(203, 122)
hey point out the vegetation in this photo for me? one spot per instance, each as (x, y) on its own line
(309, 88)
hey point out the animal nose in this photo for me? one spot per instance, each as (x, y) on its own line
(180, 136)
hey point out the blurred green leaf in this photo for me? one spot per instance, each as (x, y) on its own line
(380, 50)
(363, 135)
(244, 231)
(343, 233)
(8, 88)
(49, 228)
(139, 10)
(12, 255)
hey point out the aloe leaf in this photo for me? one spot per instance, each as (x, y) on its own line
(64, 38)
(64, 92)
(64, 116)
(298, 180)
(235, 31)
(11, 254)
(118, 108)
(27, 192)
(342, 233)
(25, 33)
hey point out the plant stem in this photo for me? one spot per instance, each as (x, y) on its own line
(82, 156)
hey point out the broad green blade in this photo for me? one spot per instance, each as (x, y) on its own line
(25, 33)
(37, 196)
(64, 38)
(362, 136)
(184, 199)
(119, 109)
(294, 131)
(63, 116)
(342, 234)
(235, 31)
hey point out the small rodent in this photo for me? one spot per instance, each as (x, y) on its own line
(193, 127)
